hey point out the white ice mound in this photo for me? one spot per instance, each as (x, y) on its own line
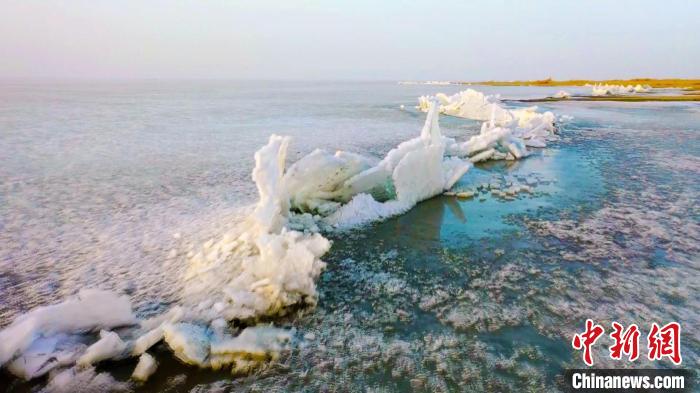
(507, 134)
(469, 104)
(525, 123)
(425, 82)
(346, 189)
(89, 310)
(314, 183)
(642, 89)
(492, 143)
(413, 171)
(562, 94)
(260, 267)
(606, 89)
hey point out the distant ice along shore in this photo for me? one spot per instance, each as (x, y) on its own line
(271, 260)
(506, 134)
(426, 83)
(619, 90)
(605, 89)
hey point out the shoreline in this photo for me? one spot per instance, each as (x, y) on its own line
(686, 90)
(690, 89)
(639, 98)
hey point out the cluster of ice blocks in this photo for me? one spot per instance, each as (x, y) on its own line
(505, 133)
(617, 90)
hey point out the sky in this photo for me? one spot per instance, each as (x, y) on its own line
(348, 40)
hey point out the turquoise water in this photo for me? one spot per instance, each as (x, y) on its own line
(478, 294)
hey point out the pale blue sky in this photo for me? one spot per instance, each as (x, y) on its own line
(362, 39)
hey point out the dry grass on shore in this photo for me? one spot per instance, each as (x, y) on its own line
(630, 98)
(692, 85)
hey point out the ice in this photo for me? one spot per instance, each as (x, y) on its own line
(453, 169)
(508, 129)
(109, 346)
(252, 347)
(154, 330)
(90, 310)
(642, 89)
(256, 342)
(491, 143)
(270, 212)
(606, 89)
(202, 346)
(413, 171)
(442, 83)
(562, 94)
(260, 267)
(146, 366)
(530, 123)
(44, 355)
(189, 342)
(147, 340)
(75, 380)
(469, 104)
(314, 181)
(362, 209)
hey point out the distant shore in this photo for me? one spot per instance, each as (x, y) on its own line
(690, 89)
(685, 84)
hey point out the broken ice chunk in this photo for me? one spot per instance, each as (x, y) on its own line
(189, 342)
(145, 368)
(109, 346)
(91, 309)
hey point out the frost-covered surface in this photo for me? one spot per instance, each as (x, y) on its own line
(606, 89)
(478, 292)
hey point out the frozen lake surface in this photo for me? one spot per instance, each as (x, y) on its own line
(109, 185)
